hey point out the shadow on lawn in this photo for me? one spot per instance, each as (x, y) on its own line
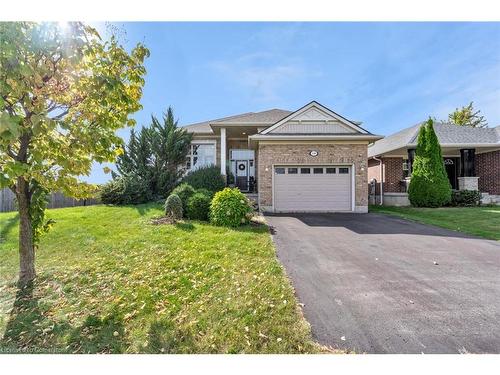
(185, 226)
(12, 222)
(165, 337)
(143, 209)
(31, 329)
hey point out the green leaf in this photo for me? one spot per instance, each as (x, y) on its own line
(9, 124)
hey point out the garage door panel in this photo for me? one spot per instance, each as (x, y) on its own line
(312, 192)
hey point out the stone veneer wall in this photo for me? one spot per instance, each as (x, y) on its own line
(270, 154)
(488, 171)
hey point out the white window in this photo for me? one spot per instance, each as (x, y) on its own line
(200, 155)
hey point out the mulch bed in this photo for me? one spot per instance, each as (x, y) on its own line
(162, 220)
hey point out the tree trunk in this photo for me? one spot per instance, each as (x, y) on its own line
(26, 248)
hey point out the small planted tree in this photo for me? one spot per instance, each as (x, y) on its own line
(63, 94)
(173, 207)
(429, 184)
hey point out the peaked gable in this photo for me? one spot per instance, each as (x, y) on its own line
(314, 118)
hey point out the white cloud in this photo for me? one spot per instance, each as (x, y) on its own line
(264, 75)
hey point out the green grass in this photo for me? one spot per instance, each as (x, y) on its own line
(110, 282)
(483, 221)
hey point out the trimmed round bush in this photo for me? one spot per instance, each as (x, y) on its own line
(207, 192)
(184, 192)
(229, 208)
(173, 207)
(198, 206)
(208, 177)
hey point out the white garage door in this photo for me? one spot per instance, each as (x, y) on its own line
(305, 188)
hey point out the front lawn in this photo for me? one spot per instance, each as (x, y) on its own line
(109, 281)
(483, 221)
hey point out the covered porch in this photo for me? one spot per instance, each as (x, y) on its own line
(460, 163)
(237, 157)
(471, 168)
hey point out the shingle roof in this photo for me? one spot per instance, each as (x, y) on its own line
(268, 117)
(204, 127)
(448, 134)
(265, 117)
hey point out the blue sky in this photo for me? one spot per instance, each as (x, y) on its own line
(387, 75)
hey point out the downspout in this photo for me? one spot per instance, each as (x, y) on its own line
(381, 184)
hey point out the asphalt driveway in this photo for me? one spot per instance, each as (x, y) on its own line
(369, 283)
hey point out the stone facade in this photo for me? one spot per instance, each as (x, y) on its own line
(488, 171)
(270, 154)
(468, 183)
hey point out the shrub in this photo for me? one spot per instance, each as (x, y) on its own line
(207, 192)
(465, 198)
(125, 190)
(429, 184)
(173, 207)
(230, 176)
(184, 192)
(229, 208)
(198, 206)
(208, 177)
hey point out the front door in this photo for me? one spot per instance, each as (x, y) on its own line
(451, 165)
(242, 174)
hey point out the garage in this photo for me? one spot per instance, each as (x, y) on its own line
(312, 188)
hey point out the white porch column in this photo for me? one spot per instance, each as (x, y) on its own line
(223, 151)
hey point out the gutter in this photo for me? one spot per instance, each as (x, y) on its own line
(348, 137)
(381, 177)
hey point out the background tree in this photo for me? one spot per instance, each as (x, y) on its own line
(63, 94)
(467, 116)
(429, 184)
(156, 156)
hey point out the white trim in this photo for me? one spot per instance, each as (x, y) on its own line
(465, 145)
(241, 123)
(300, 165)
(223, 150)
(353, 187)
(203, 142)
(260, 136)
(320, 107)
(212, 142)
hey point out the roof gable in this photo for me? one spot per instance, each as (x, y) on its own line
(314, 118)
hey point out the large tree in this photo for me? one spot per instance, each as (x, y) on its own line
(467, 116)
(63, 94)
(156, 154)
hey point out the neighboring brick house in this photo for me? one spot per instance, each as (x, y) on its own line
(488, 171)
(471, 157)
(309, 160)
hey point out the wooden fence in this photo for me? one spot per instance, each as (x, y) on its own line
(56, 200)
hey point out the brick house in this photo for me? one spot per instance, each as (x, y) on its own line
(471, 157)
(308, 160)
